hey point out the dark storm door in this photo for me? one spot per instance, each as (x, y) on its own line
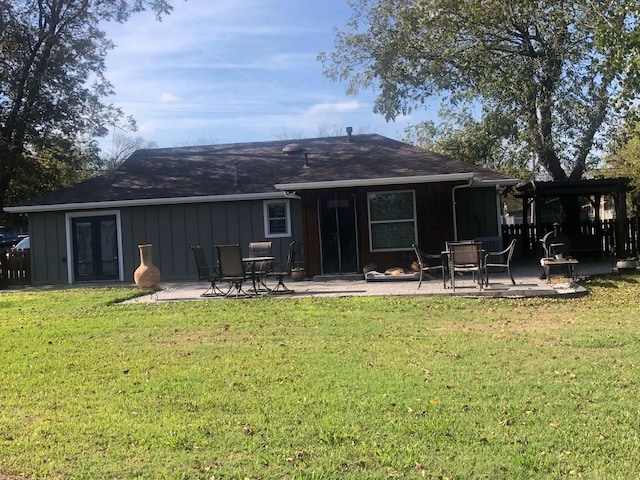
(95, 248)
(338, 234)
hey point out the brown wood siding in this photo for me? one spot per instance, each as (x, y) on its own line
(476, 213)
(434, 213)
(311, 233)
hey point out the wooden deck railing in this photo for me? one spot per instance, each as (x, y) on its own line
(593, 236)
(15, 268)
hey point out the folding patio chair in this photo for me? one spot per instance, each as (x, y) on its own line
(501, 259)
(207, 272)
(281, 274)
(429, 262)
(262, 268)
(232, 269)
(465, 257)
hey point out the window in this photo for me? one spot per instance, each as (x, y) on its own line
(392, 220)
(277, 218)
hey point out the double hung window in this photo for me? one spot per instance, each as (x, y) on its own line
(392, 220)
(277, 218)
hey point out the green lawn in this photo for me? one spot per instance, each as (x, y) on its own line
(347, 388)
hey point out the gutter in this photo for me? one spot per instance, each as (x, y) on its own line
(453, 203)
(367, 182)
(144, 202)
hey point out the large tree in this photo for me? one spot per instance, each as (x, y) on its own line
(556, 69)
(52, 79)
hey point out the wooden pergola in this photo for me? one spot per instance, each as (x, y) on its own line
(536, 194)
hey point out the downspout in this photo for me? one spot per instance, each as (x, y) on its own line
(453, 202)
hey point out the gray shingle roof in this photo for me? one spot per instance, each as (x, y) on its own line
(254, 168)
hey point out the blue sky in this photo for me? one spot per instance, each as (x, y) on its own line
(236, 71)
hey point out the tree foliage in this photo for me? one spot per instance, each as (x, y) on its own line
(492, 142)
(122, 146)
(623, 158)
(559, 69)
(52, 82)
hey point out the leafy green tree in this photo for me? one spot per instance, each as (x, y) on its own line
(558, 69)
(623, 159)
(52, 82)
(492, 142)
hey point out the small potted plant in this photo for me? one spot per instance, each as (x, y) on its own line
(297, 274)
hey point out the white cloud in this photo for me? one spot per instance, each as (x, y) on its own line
(234, 71)
(169, 98)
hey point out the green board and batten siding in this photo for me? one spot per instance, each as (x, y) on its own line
(170, 228)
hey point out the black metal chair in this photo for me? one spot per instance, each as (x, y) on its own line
(428, 262)
(261, 269)
(283, 273)
(466, 257)
(207, 272)
(232, 269)
(501, 259)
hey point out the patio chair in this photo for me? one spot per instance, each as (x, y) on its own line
(501, 259)
(260, 269)
(280, 275)
(207, 272)
(428, 262)
(232, 269)
(465, 257)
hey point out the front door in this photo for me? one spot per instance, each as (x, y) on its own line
(338, 234)
(95, 248)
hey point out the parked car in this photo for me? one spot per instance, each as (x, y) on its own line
(22, 245)
(8, 238)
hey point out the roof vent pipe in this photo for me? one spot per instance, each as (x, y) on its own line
(235, 175)
(349, 132)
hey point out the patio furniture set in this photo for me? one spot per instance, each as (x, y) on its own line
(236, 271)
(462, 258)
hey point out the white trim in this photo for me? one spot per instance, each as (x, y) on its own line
(265, 211)
(415, 221)
(69, 239)
(143, 202)
(368, 182)
(509, 182)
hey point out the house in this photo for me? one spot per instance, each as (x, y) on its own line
(348, 200)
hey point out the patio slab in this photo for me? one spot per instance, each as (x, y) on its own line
(528, 284)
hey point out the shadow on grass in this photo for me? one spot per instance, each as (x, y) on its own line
(613, 281)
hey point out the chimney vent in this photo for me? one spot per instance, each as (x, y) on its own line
(349, 132)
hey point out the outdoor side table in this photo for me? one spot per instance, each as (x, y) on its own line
(571, 265)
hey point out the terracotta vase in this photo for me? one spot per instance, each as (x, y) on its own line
(147, 274)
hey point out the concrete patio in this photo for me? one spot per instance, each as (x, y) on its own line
(526, 275)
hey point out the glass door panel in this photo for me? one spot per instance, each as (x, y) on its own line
(95, 248)
(338, 233)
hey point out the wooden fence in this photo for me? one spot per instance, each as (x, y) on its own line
(598, 237)
(15, 268)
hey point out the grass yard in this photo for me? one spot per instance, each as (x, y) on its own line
(347, 388)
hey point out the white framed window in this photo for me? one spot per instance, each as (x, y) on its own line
(392, 220)
(277, 218)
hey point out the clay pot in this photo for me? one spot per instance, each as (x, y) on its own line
(147, 274)
(297, 275)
